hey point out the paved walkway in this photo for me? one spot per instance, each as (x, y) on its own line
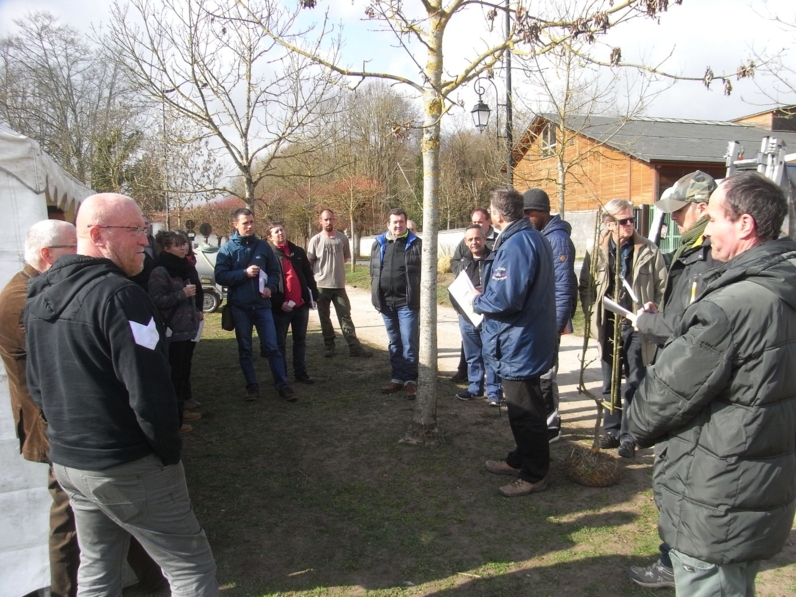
(574, 407)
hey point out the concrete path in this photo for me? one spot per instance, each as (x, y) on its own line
(574, 407)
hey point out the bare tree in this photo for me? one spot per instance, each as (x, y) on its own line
(205, 62)
(68, 96)
(420, 29)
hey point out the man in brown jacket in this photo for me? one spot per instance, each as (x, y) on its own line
(44, 243)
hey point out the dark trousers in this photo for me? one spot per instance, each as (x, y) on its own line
(549, 387)
(180, 354)
(342, 306)
(65, 552)
(297, 319)
(528, 423)
(632, 363)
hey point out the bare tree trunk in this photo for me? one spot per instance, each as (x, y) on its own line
(424, 421)
(561, 180)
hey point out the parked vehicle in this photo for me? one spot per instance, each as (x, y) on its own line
(205, 266)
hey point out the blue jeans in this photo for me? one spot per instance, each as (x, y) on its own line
(403, 332)
(471, 340)
(149, 501)
(297, 319)
(263, 320)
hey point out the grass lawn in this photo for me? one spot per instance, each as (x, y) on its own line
(318, 498)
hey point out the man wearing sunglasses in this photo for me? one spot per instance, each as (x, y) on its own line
(642, 270)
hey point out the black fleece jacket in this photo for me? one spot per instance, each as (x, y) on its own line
(98, 366)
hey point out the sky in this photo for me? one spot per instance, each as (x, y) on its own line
(699, 33)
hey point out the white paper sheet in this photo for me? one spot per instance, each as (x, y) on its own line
(615, 308)
(463, 291)
(263, 281)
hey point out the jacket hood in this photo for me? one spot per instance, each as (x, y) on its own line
(383, 238)
(245, 241)
(772, 265)
(53, 292)
(556, 224)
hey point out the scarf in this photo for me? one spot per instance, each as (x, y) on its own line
(690, 238)
(179, 268)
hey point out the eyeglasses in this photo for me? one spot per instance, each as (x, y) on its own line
(138, 230)
(62, 247)
(624, 221)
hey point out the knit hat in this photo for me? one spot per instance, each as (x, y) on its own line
(535, 199)
(695, 187)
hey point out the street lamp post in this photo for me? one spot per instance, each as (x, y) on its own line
(481, 110)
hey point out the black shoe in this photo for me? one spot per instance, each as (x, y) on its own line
(328, 352)
(459, 377)
(286, 392)
(466, 395)
(252, 393)
(305, 378)
(627, 450)
(608, 442)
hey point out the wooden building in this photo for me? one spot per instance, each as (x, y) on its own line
(636, 159)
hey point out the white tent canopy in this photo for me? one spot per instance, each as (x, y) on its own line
(30, 180)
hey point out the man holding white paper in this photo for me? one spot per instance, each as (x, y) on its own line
(248, 267)
(642, 269)
(470, 269)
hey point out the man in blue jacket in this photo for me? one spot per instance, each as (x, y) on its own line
(536, 206)
(519, 337)
(248, 267)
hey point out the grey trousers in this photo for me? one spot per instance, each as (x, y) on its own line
(150, 501)
(697, 578)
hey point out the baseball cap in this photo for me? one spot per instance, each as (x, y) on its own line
(695, 187)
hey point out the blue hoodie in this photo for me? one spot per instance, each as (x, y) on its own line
(518, 303)
(233, 258)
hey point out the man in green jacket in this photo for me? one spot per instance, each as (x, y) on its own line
(719, 400)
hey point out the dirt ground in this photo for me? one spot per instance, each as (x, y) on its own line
(318, 497)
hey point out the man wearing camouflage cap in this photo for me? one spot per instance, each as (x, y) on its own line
(687, 202)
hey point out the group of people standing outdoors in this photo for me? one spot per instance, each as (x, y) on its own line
(707, 345)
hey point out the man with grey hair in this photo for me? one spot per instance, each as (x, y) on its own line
(518, 334)
(719, 401)
(98, 368)
(642, 270)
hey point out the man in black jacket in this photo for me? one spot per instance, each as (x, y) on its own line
(98, 369)
(395, 292)
(294, 297)
(687, 202)
(719, 403)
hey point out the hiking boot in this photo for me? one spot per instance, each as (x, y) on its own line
(328, 352)
(627, 450)
(520, 487)
(286, 392)
(608, 442)
(501, 467)
(305, 378)
(358, 351)
(553, 435)
(192, 404)
(392, 387)
(252, 393)
(459, 377)
(466, 395)
(189, 416)
(185, 428)
(654, 576)
(411, 390)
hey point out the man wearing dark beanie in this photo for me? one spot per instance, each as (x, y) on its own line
(536, 207)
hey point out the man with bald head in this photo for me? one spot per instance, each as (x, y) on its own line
(98, 368)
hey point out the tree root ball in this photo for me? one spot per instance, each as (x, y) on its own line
(593, 469)
(422, 435)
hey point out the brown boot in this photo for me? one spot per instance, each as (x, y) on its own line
(392, 387)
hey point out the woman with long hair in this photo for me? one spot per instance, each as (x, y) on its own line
(173, 287)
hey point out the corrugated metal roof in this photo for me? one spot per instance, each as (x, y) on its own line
(669, 139)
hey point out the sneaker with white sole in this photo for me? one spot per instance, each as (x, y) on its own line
(654, 576)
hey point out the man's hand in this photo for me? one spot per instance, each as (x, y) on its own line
(266, 292)
(287, 307)
(253, 271)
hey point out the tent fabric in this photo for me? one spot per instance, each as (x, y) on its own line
(29, 181)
